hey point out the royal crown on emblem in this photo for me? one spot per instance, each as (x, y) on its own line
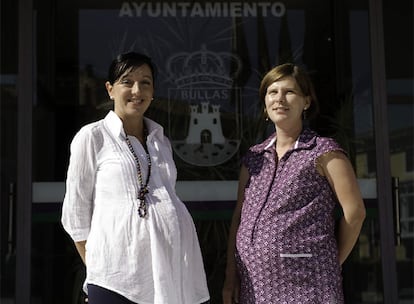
(203, 68)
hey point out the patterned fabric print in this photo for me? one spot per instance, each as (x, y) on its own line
(286, 248)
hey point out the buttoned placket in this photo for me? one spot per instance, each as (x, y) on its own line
(270, 156)
(277, 168)
(141, 153)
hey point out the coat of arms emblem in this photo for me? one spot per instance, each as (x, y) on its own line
(204, 106)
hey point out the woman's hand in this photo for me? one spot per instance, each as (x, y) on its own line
(231, 286)
(231, 289)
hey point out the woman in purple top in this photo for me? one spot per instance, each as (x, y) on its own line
(282, 242)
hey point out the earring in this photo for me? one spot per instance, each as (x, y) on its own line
(111, 98)
(305, 114)
(266, 115)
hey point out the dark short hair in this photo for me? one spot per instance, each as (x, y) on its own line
(128, 61)
(302, 79)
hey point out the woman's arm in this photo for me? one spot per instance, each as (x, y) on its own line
(340, 174)
(80, 246)
(232, 283)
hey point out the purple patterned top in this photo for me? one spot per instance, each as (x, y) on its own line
(286, 247)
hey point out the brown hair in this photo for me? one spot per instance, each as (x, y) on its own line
(302, 79)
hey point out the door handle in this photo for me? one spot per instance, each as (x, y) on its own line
(396, 202)
(10, 241)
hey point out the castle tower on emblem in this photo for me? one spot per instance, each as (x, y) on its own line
(205, 126)
(204, 82)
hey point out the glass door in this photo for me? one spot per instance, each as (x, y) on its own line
(353, 123)
(381, 268)
(399, 64)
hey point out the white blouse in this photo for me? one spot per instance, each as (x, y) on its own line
(156, 259)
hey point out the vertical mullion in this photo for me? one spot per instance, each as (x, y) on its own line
(383, 160)
(24, 147)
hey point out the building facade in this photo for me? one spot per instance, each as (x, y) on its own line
(210, 58)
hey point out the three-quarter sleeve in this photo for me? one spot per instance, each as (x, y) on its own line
(80, 181)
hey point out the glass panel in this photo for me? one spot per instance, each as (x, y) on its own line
(354, 122)
(400, 92)
(210, 59)
(8, 151)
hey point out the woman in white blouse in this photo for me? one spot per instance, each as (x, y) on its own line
(133, 233)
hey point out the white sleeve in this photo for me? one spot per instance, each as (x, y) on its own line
(77, 206)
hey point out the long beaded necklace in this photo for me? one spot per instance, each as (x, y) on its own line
(142, 209)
